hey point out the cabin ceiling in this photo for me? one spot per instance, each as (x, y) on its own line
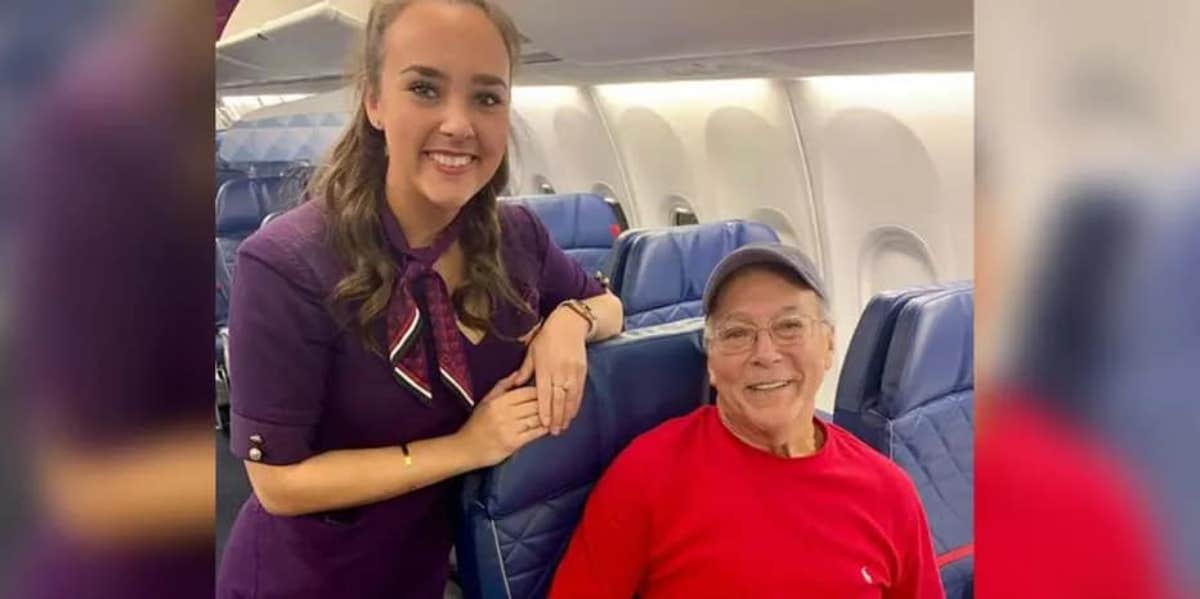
(281, 46)
(632, 31)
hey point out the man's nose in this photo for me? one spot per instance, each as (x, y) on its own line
(764, 350)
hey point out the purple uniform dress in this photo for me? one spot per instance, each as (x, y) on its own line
(305, 386)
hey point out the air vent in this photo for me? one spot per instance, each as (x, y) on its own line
(540, 57)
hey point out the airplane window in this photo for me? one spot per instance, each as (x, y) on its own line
(543, 185)
(683, 216)
(610, 197)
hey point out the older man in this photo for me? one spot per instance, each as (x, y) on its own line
(754, 497)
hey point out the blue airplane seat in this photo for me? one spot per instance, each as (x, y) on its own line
(615, 267)
(859, 383)
(518, 517)
(239, 212)
(582, 224)
(224, 287)
(663, 271)
(224, 173)
(907, 389)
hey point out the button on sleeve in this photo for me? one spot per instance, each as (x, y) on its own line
(281, 348)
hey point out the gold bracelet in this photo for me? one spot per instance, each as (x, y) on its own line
(584, 311)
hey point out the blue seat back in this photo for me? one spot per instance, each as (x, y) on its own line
(239, 207)
(907, 389)
(663, 271)
(239, 213)
(859, 386)
(615, 268)
(582, 224)
(224, 174)
(224, 287)
(518, 517)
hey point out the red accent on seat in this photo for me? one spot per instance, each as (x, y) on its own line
(956, 554)
(615, 229)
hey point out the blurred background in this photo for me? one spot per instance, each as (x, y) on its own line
(1088, 320)
(1087, 271)
(106, 163)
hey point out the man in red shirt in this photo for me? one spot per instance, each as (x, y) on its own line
(754, 497)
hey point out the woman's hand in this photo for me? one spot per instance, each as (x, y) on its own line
(505, 420)
(558, 356)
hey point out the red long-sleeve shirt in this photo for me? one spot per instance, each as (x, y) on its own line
(690, 511)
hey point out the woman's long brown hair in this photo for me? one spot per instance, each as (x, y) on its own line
(352, 187)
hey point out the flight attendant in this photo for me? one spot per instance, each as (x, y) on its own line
(401, 327)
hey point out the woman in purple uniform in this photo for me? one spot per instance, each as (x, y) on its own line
(382, 333)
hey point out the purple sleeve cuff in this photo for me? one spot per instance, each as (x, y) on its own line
(269, 442)
(591, 287)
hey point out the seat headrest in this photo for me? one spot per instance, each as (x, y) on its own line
(615, 267)
(239, 207)
(575, 220)
(634, 382)
(664, 267)
(932, 351)
(862, 370)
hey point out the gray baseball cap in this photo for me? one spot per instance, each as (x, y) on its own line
(788, 257)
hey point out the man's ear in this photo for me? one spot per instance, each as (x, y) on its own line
(829, 353)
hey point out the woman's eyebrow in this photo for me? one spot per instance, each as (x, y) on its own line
(424, 71)
(433, 73)
(484, 79)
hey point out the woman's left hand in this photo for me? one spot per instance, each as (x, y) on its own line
(557, 354)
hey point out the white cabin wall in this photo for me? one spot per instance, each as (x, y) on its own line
(559, 135)
(728, 148)
(892, 162)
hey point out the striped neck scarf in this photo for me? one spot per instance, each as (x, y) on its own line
(421, 303)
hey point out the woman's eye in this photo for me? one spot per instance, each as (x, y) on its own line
(423, 90)
(489, 99)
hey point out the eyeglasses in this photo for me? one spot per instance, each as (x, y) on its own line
(739, 337)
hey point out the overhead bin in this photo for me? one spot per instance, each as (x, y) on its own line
(308, 45)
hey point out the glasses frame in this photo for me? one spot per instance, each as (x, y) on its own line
(711, 340)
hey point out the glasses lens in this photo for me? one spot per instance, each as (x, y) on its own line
(789, 330)
(735, 338)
